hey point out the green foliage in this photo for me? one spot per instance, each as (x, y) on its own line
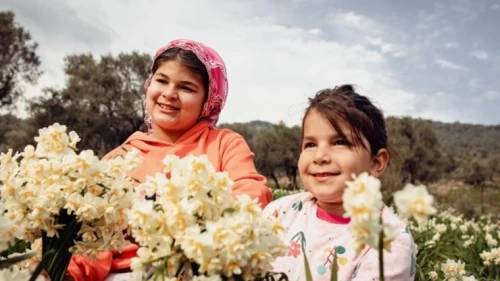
(278, 193)
(450, 236)
(276, 147)
(416, 150)
(15, 133)
(102, 100)
(19, 62)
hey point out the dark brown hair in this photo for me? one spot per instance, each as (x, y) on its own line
(342, 103)
(188, 59)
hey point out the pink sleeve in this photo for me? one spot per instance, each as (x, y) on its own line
(399, 264)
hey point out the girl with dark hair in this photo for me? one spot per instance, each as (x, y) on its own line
(343, 134)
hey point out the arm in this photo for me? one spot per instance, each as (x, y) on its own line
(399, 264)
(237, 160)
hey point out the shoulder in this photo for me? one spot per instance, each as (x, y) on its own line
(228, 141)
(127, 145)
(392, 219)
(225, 135)
(403, 237)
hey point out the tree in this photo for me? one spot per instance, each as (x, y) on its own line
(277, 149)
(494, 166)
(15, 133)
(476, 176)
(102, 100)
(290, 146)
(400, 140)
(18, 60)
(268, 154)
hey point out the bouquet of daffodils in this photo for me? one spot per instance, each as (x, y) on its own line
(194, 230)
(74, 201)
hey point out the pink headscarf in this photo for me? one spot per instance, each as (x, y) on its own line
(217, 78)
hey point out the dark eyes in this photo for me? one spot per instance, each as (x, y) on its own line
(339, 142)
(309, 144)
(185, 88)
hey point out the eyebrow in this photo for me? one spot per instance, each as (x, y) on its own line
(336, 135)
(184, 82)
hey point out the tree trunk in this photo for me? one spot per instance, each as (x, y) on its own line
(275, 179)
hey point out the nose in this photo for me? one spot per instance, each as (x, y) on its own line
(169, 92)
(322, 156)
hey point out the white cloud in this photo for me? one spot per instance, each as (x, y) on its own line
(450, 45)
(386, 48)
(315, 31)
(495, 6)
(272, 68)
(274, 62)
(356, 21)
(480, 54)
(492, 95)
(428, 106)
(450, 65)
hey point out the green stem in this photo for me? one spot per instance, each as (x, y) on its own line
(57, 264)
(381, 251)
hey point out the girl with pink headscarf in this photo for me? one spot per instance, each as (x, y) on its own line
(185, 94)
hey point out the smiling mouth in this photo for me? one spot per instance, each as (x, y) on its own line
(168, 107)
(322, 175)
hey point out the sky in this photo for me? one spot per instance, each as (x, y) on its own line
(436, 60)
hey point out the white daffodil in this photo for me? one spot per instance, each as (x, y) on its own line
(414, 201)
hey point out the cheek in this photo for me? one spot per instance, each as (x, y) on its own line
(302, 164)
(195, 103)
(150, 100)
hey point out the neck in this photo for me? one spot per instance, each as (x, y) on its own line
(332, 208)
(168, 136)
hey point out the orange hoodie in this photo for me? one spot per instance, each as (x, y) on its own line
(227, 151)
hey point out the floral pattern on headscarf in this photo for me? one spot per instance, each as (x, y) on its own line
(217, 78)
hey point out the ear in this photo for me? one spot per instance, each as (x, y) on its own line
(379, 163)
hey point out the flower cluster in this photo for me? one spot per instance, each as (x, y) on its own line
(8, 230)
(194, 228)
(455, 271)
(491, 257)
(362, 201)
(470, 240)
(47, 187)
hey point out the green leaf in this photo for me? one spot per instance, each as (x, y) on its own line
(333, 277)
(13, 260)
(306, 265)
(44, 263)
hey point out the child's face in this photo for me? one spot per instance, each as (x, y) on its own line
(174, 99)
(327, 160)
